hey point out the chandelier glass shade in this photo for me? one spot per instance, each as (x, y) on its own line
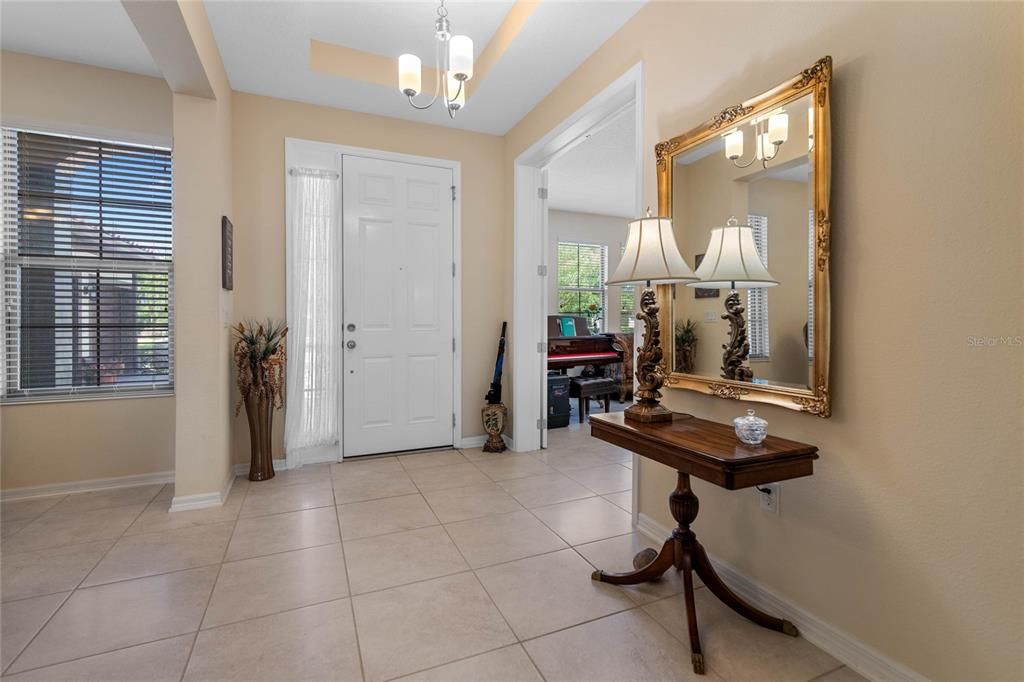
(453, 61)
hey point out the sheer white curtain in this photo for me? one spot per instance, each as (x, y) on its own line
(312, 427)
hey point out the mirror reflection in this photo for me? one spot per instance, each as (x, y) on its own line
(746, 193)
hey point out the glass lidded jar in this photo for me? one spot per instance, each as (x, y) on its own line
(751, 429)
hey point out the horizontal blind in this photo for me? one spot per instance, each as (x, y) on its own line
(87, 264)
(582, 272)
(757, 299)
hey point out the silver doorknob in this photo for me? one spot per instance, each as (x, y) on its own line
(350, 344)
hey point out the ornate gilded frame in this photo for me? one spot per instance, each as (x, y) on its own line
(815, 80)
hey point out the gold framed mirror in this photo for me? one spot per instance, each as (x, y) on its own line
(759, 171)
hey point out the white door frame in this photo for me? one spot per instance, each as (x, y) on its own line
(327, 156)
(530, 238)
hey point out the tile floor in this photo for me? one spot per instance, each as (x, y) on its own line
(455, 565)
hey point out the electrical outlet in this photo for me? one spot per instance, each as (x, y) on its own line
(710, 316)
(770, 494)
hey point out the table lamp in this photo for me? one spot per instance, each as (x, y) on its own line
(650, 257)
(731, 262)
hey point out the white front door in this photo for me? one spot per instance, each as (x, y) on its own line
(398, 306)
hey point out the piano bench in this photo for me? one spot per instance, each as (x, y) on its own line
(586, 388)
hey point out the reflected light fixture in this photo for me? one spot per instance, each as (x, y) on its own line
(731, 261)
(453, 59)
(770, 132)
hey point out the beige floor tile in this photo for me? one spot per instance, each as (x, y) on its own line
(8, 528)
(312, 643)
(365, 466)
(474, 454)
(545, 593)
(264, 585)
(581, 521)
(494, 539)
(69, 529)
(135, 556)
(105, 499)
(623, 500)
(617, 456)
(359, 484)
(261, 535)
(508, 467)
(157, 516)
(567, 460)
(304, 475)
(46, 571)
(843, 674)
(21, 620)
(626, 646)
(422, 625)
(390, 515)
(615, 555)
(262, 500)
(398, 558)
(447, 476)
(161, 661)
(510, 664)
(458, 504)
(737, 649)
(424, 460)
(536, 491)
(19, 510)
(612, 478)
(118, 615)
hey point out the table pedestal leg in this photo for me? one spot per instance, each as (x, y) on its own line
(684, 553)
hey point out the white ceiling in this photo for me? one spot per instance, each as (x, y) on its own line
(265, 47)
(599, 174)
(95, 32)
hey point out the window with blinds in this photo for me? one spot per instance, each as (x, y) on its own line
(582, 272)
(757, 299)
(87, 264)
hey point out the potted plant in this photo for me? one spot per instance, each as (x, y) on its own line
(686, 346)
(260, 360)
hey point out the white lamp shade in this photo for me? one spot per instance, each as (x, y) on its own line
(651, 255)
(455, 86)
(731, 261)
(460, 57)
(734, 145)
(778, 128)
(409, 74)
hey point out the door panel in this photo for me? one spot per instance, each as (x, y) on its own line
(399, 296)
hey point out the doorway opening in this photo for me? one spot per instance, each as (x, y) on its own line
(614, 114)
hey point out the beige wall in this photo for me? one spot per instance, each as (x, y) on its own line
(203, 311)
(261, 125)
(52, 443)
(908, 536)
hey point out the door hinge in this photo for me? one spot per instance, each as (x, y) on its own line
(453, 269)
(542, 270)
(453, 192)
(542, 423)
(540, 347)
(542, 192)
(453, 420)
(453, 344)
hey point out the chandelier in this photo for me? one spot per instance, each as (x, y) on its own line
(453, 61)
(770, 132)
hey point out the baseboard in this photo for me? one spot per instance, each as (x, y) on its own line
(472, 441)
(862, 658)
(203, 500)
(52, 489)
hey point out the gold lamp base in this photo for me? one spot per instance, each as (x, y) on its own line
(649, 375)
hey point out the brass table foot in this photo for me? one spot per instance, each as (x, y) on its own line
(789, 629)
(698, 663)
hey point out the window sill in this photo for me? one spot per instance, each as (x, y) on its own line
(86, 397)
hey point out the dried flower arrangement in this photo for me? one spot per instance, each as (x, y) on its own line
(260, 357)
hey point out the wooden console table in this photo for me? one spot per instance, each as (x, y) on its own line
(712, 452)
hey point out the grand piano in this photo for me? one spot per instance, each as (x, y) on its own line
(581, 349)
